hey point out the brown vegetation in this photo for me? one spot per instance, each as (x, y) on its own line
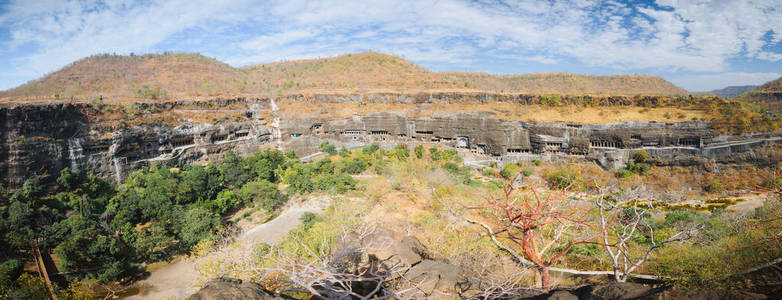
(180, 75)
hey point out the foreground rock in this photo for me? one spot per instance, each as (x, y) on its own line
(633, 291)
(384, 264)
(229, 288)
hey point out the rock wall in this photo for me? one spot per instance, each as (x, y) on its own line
(40, 140)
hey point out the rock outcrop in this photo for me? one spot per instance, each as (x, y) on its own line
(406, 264)
(40, 140)
(409, 271)
(635, 291)
(234, 289)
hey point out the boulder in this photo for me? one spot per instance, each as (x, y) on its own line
(230, 288)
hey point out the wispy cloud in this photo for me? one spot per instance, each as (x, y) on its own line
(664, 37)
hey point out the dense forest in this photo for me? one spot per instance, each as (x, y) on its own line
(108, 232)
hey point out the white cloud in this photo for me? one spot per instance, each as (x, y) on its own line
(692, 35)
(708, 82)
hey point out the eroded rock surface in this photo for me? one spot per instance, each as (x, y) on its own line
(40, 140)
(234, 289)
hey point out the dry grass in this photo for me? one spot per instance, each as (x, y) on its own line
(181, 75)
(501, 110)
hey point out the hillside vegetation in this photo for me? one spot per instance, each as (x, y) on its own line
(767, 96)
(730, 91)
(181, 75)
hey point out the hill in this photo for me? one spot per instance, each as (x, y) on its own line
(731, 91)
(182, 75)
(767, 96)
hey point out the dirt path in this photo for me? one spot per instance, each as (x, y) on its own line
(178, 280)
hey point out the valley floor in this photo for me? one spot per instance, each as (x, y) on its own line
(182, 278)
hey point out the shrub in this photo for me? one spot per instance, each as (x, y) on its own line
(527, 171)
(451, 167)
(449, 154)
(151, 93)
(353, 166)
(401, 152)
(328, 148)
(307, 220)
(641, 156)
(262, 192)
(226, 200)
(714, 186)
(536, 161)
(563, 178)
(335, 183)
(624, 173)
(344, 152)
(419, 151)
(676, 217)
(371, 149)
(435, 153)
(198, 224)
(11, 269)
(509, 171)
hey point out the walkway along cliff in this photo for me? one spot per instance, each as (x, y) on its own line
(38, 140)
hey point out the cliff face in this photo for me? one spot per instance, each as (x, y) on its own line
(40, 140)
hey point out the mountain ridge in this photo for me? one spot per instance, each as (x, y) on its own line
(193, 75)
(730, 91)
(768, 95)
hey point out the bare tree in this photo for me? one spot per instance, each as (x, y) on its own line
(339, 271)
(541, 230)
(620, 223)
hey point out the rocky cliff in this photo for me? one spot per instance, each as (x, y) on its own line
(40, 140)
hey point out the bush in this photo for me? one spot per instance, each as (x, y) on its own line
(714, 186)
(344, 152)
(449, 154)
(328, 148)
(371, 149)
(226, 201)
(563, 178)
(509, 171)
(151, 93)
(527, 171)
(434, 153)
(419, 151)
(262, 192)
(641, 156)
(402, 153)
(461, 174)
(11, 269)
(624, 173)
(536, 161)
(335, 183)
(676, 217)
(353, 166)
(198, 224)
(307, 220)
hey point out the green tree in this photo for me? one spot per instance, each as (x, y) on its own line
(31, 190)
(262, 192)
(233, 170)
(419, 151)
(434, 153)
(509, 171)
(401, 152)
(225, 201)
(371, 149)
(198, 224)
(204, 182)
(328, 148)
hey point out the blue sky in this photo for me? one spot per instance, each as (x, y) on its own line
(698, 45)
